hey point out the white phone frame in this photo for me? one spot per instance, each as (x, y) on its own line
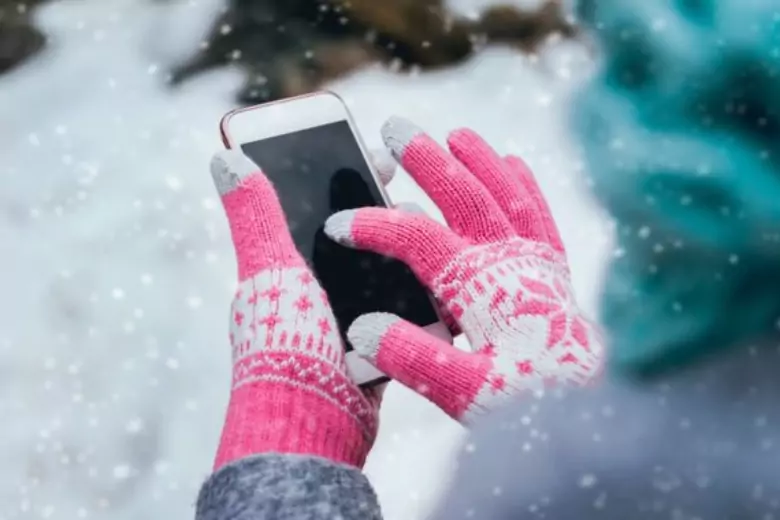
(246, 125)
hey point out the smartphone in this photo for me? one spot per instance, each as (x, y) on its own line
(309, 148)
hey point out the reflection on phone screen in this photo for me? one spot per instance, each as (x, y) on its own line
(320, 171)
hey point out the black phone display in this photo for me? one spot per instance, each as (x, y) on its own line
(317, 172)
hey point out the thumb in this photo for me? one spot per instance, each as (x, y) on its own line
(448, 377)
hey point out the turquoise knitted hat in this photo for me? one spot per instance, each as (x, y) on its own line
(681, 131)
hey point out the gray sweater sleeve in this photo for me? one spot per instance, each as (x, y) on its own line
(697, 444)
(287, 487)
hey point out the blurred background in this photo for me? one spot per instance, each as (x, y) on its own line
(117, 265)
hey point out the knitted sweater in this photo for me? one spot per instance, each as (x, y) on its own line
(681, 132)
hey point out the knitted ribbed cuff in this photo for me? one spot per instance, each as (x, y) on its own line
(283, 417)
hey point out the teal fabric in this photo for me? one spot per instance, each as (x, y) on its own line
(681, 132)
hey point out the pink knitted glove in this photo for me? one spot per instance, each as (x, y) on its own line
(500, 272)
(290, 392)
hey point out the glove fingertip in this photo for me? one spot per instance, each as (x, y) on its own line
(463, 137)
(397, 133)
(367, 331)
(229, 168)
(339, 227)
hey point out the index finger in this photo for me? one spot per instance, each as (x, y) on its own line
(257, 222)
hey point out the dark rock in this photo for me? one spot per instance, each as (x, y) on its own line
(291, 47)
(19, 39)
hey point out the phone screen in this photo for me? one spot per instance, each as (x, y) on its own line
(318, 172)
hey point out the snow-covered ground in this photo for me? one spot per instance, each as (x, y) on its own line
(118, 269)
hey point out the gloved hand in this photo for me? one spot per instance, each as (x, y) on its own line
(290, 390)
(500, 272)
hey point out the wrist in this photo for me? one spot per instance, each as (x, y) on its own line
(313, 411)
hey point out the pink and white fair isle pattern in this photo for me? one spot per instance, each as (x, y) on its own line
(283, 330)
(514, 303)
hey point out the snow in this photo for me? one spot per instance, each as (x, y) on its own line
(118, 268)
